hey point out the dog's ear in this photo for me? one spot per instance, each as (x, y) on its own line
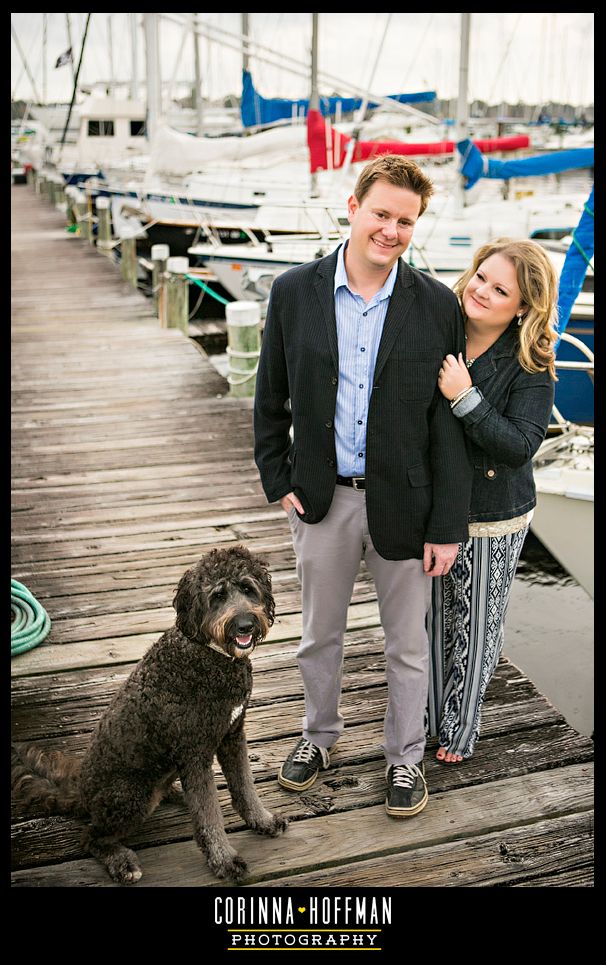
(262, 574)
(191, 606)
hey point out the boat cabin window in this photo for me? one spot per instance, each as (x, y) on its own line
(137, 128)
(100, 128)
(550, 234)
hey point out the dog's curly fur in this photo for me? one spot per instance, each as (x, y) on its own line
(183, 703)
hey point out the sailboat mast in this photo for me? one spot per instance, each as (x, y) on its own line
(314, 99)
(245, 53)
(76, 76)
(110, 51)
(463, 98)
(70, 45)
(152, 66)
(197, 77)
(134, 82)
(44, 55)
(110, 54)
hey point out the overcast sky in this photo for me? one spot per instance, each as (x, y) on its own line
(527, 57)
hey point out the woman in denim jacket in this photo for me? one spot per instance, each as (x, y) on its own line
(503, 394)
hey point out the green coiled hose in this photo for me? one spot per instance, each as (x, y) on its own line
(31, 622)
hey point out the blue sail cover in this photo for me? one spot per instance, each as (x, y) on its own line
(475, 165)
(256, 110)
(577, 258)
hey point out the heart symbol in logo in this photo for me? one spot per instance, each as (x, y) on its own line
(301, 910)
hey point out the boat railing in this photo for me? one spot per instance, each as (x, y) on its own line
(576, 366)
(562, 424)
(574, 439)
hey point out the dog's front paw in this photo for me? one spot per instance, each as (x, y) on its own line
(229, 866)
(272, 824)
(124, 867)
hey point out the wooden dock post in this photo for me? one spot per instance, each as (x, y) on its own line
(90, 219)
(128, 262)
(71, 212)
(177, 294)
(59, 195)
(80, 209)
(243, 346)
(159, 256)
(104, 232)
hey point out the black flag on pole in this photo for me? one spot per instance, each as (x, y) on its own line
(65, 58)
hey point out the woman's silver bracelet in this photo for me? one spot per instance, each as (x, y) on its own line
(460, 396)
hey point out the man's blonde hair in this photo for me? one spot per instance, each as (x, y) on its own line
(399, 171)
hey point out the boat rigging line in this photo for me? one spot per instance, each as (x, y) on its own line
(236, 41)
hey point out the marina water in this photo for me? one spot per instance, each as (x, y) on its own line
(549, 634)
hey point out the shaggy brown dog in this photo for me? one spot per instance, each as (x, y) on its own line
(184, 702)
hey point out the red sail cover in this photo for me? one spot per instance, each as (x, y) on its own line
(328, 148)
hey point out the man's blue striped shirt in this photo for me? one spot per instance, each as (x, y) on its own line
(359, 330)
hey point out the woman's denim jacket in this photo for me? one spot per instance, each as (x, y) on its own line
(505, 420)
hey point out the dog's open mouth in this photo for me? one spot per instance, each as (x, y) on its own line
(244, 641)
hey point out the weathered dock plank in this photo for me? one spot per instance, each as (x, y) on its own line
(344, 838)
(355, 785)
(129, 461)
(73, 701)
(515, 857)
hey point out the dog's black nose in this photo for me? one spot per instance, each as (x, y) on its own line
(244, 625)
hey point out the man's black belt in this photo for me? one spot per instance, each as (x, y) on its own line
(357, 482)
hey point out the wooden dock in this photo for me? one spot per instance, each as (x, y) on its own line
(129, 462)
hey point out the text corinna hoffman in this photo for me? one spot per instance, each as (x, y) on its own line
(336, 911)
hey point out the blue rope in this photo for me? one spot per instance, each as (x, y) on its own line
(31, 623)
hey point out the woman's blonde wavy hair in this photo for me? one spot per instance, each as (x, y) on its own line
(538, 283)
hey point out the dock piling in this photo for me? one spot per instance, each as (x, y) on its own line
(71, 213)
(159, 256)
(128, 262)
(90, 218)
(80, 209)
(104, 232)
(243, 347)
(177, 294)
(59, 193)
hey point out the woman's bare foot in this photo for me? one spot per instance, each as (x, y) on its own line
(447, 757)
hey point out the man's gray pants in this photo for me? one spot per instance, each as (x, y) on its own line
(328, 559)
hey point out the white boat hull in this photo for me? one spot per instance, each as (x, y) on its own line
(564, 522)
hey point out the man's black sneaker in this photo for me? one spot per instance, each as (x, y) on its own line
(406, 790)
(300, 769)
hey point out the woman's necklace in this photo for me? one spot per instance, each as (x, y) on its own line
(469, 362)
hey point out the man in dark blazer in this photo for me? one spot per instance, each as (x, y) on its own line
(375, 467)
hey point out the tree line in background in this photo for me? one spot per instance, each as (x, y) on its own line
(548, 113)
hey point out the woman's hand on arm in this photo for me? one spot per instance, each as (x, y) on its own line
(453, 377)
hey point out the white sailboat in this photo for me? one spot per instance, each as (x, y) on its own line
(563, 517)
(455, 225)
